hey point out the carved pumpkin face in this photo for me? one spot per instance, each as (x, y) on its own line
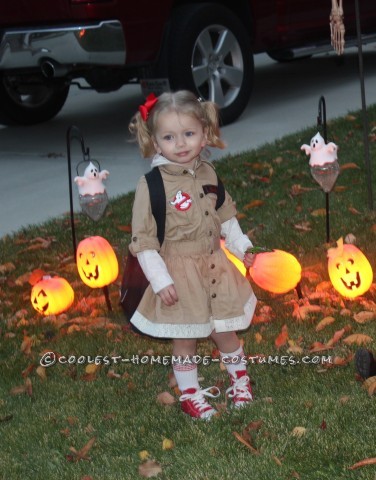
(238, 263)
(276, 271)
(349, 270)
(52, 295)
(96, 262)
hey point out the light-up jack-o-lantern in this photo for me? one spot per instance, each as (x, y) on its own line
(349, 270)
(238, 263)
(276, 271)
(96, 262)
(52, 295)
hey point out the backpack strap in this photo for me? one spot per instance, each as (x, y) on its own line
(157, 200)
(218, 189)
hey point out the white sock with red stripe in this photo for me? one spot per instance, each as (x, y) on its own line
(186, 374)
(234, 362)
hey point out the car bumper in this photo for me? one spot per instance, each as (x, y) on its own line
(95, 44)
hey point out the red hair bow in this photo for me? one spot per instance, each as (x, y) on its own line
(145, 109)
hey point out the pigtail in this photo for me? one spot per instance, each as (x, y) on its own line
(211, 112)
(140, 130)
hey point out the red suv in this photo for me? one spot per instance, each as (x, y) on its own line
(206, 47)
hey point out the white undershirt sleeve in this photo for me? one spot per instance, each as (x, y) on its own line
(235, 240)
(155, 269)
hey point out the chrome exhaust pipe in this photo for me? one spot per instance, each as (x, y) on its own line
(51, 69)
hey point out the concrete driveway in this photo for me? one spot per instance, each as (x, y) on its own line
(34, 177)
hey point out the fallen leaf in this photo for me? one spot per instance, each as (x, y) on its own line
(125, 228)
(167, 444)
(7, 267)
(304, 226)
(370, 385)
(82, 454)
(144, 455)
(41, 372)
(112, 374)
(324, 323)
(277, 460)
(149, 469)
(358, 339)
(258, 337)
(354, 211)
(244, 442)
(92, 369)
(282, 337)
(319, 347)
(25, 388)
(323, 425)
(362, 463)
(165, 398)
(253, 204)
(319, 212)
(6, 418)
(349, 166)
(363, 317)
(336, 337)
(299, 431)
(35, 276)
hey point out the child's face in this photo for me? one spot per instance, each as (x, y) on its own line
(179, 138)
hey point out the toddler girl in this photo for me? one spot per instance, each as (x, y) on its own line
(195, 291)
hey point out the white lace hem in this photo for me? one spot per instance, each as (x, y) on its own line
(171, 330)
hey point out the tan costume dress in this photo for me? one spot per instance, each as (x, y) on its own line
(212, 294)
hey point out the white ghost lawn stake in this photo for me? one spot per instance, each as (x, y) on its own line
(320, 152)
(323, 161)
(92, 192)
(91, 182)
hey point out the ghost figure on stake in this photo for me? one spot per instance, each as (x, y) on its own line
(323, 161)
(92, 192)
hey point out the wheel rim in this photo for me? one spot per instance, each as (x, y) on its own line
(27, 96)
(217, 65)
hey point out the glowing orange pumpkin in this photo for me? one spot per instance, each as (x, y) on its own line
(238, 263)
(96, 262)
(51, 295)
(276, 271)
(349, 270)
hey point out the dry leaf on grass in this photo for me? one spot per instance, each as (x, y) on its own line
(81, 454)
(298, 431)
(319, 212)
(27, 388)
(149, 469)
(242, 440)
(144, 455)
(370, 385)
(167, 444)
(362, 463)
(363, 317)
(165, 398)
(253, 204)
(282, 337)
(349, 165)
(324, 323)
(7, 267)
(357, 339)
(41, 372)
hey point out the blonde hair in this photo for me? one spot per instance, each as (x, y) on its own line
(183, 102)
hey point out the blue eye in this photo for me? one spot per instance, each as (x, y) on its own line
(167, 137)
(189, 134)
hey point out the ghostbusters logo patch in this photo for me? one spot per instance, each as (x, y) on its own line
(182, 201)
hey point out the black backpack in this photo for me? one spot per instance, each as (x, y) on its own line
(134, 282)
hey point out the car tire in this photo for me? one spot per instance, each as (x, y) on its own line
(28, 104)
(196, 60)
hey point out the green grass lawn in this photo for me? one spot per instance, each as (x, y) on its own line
(310, 419)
